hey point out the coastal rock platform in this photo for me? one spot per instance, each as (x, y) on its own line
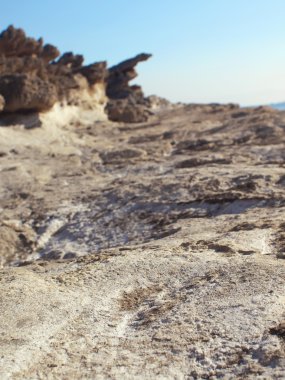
(144, 250)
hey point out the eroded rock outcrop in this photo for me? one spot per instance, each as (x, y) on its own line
(25, 92)
(127, 103)
(33, 77)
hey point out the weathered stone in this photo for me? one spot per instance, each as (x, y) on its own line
(127, 103)
(22, 92)
(94, 73)
(123, 110)
(49, 53)
(144, 251)
(32, 79)
(120, 76)
(13, 42)
(156, 103)
(120, 156)
(46, 79)
(2, 102)
(73, 61)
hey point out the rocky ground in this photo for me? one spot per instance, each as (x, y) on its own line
(141, 251)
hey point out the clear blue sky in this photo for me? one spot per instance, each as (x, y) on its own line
(204, 50)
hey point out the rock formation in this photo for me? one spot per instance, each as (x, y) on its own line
(127, 103)
(33, 77)
(129, 251)
(24, 92)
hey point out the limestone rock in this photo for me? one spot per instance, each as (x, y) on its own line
(23, 92)
(32, 79)
(71, 60)
(94, 73)
(144, 251)
(124, 110)
(42, 78)
(157, 103)
(127, 103)
(14, 43)
(120, 76)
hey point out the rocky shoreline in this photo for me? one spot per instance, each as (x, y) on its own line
(140, 250)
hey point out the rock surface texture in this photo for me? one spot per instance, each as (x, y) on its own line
(2, 103)
(127, 103)
(34, 77)
(145, 251)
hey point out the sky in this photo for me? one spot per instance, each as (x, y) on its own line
(203, 50)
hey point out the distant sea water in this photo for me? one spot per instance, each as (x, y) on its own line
(278, 106)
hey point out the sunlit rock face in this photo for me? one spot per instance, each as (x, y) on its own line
(34, 77)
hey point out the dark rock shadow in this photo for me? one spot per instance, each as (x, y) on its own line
(28, 119)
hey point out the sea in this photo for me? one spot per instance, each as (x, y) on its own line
(278, 106)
